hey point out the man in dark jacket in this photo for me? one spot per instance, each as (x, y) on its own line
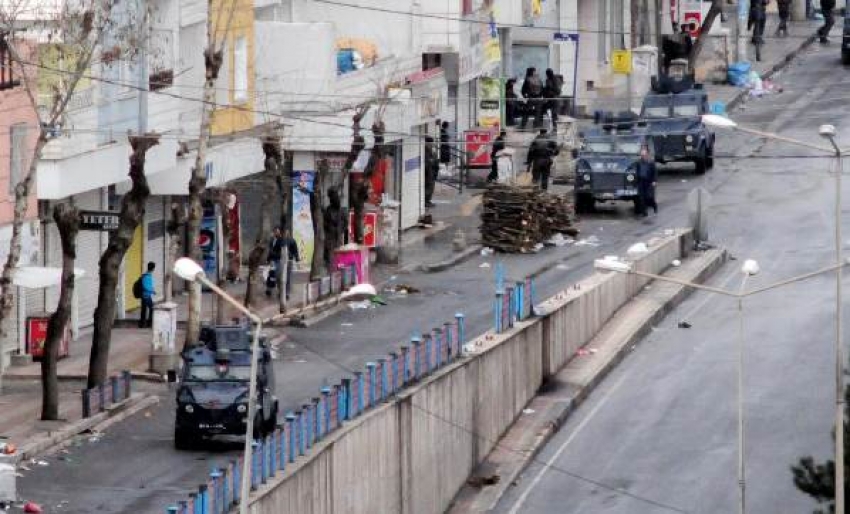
(784, 7)
(336, 225)
(280, 241)
(532, 91)
(498, 146)
(646, 179)
(540, 154)
(827, 6)
(552, 93)
(432, 169)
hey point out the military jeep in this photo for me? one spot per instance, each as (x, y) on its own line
(675, 124)
(606, 164)
(212, 398)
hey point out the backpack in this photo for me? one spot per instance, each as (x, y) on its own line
(535, 86)
(137, 288)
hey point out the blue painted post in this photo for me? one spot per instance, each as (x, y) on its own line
(382, 362)
(358, 378)
(195, 503)
(237, 480)
(232, 485)
(461, 332)
(497, 312)
(127, 378)
(440, 344)
(307, 425)
(299, 431)
(405, 365)
(510, 307)
(338, 407)
(216, 501)
(371, 373)
(427, 347)
(346, 399)
(204, 499)
(326, 410)
(393, 372)
(316, 415)
(102, 394)
(416, 343)
(116, 392)
(447, 338)
(280, 441)
(290, 430)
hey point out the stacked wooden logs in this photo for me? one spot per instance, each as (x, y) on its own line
(515, 219)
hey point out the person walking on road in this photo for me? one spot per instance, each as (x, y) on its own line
(498, 146)
(540, 154)
(647, 176)
(432, 169)
(148, 292)
(827, 7)
(532, 91)
(757, 20)
(784, 7)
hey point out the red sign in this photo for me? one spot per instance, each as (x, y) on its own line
(370, 228)
(37, 334)
(422, 76)
(693, 22)
(478, 147)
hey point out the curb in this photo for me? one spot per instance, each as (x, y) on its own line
(451, 261)
(554, 412)
(783, 62)
(61, 437)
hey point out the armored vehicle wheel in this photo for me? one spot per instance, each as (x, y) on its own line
(700, 164)
(584, 203)
(183, 440)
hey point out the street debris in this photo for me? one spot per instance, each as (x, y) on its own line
(515, 219)
(684, 324)
(484, 265)
(482, 481)
(347, 324)
(486, 251)
(676, 263)
(562, 266)
(402, 289)
(528, 411)
(363, 304)
(589, 241)
(359, 292)
(558, 240)
(32, 508)
(637, 250)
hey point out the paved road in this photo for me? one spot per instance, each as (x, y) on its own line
(134, 467)
(661, 432)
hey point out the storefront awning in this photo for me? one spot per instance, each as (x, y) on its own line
(35, 277)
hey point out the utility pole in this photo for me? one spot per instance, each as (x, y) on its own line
(740, 32)
(659, 35)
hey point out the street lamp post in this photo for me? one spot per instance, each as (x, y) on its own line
(828, 132)
(187, 269)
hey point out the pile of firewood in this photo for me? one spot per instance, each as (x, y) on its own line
(515, 219)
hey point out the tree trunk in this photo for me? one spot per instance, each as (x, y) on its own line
(221, 310)
(198, 181)
(7, 290)
(67, 220)
(645, 25)
(355, 188)
(176, 223)
(131, 214)
(317, 267)
(271, 182)
(713, 12)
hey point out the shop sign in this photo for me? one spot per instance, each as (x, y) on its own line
(99, 220)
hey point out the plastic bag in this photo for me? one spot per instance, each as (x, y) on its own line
(738, 73)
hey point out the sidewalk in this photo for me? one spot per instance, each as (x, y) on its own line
(776, 53)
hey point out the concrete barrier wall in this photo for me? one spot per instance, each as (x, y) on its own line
(412, 454)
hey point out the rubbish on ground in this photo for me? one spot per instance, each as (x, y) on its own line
(363, 304)
(669, 232)
(589, 241)
(482, 481)
(32, 508)
(42, 463)
(486, 251)
(559, 240)
(347, 324)
(484, 265)
(593, 350)
(359, 292)
(537, 247)
(738, 73)
(582, 352)
(637, 249)
(514, 219)
(377, 300)
(684, 324)
(402, 289)
(676, 263)
(528, 411)
(562, 266)
(7, 448)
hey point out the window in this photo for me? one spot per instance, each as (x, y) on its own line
(240, 70)
(17, 154)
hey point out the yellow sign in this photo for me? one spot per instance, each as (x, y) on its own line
(621, 61)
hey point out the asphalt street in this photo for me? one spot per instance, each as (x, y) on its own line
(660, 434)
(777, 211)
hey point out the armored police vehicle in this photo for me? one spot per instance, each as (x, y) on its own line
(606, 162)
(212, 398)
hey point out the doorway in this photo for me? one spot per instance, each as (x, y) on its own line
(133, 270)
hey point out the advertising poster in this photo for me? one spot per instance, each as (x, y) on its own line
(302, 218)
(489, 102)
(234, 246)
(478, 146)
(208, 242)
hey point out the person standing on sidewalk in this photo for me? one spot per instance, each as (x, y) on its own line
(552, 93)
(784, 7)
(281, 240)
(827, 7)
(432, 169)
(532, 91)
(498, 146)
(646, 180)
(445, 148)
(758, 19)
(148, 292)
